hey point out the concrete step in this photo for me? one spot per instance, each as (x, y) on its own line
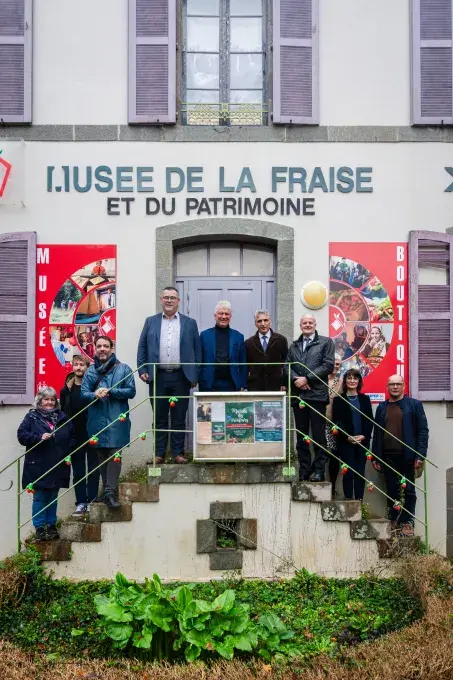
(311, 492)
(341, 511)
(80, 531)
(363, 529)
(133, 492)
(99, 512)
(54, 551)
(398, 547)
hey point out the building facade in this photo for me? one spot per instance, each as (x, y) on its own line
(227, 146)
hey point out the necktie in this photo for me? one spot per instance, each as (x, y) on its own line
(306, 343)
(264, 338)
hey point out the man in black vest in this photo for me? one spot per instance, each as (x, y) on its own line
(314, 357)
(265, 347)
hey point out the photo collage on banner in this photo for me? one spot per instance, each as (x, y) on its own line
(368, 317)
(76, 303)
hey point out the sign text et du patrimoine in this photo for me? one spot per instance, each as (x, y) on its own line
(174, 180)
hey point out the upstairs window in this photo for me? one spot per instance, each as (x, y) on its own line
(224, 62)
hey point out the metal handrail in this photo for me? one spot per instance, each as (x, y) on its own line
(288, 396)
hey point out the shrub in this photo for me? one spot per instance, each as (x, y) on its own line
(156, 621)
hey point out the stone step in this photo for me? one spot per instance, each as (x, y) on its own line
(378, 528)
(54, 551)
(80, 531)
(398, 547)
(311, 492)
(341, 511)
(222, 473)
(133, 492)
(99, 512)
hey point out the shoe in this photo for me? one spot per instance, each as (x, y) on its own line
(407, 530)
(40, 534)
(159, 461)
(52, 534)
(304, 478)
(80, 510)
(180, 460)
(111, 502)
(317, 477)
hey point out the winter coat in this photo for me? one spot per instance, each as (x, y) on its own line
(342, 416)
(107, 410)
(415, 428)
(72, 402)
(319, 359)
(265, 378)
(48, 452)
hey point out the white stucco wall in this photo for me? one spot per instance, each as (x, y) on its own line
(161, 538)
(408, 180)
(80, 62)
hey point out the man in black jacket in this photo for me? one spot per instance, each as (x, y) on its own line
(265, 346)
(84, 460)
(315, 357)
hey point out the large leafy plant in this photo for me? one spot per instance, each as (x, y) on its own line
(153, 621)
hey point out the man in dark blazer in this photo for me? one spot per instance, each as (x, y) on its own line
(169, 340)
(265, 346)
(222, 345)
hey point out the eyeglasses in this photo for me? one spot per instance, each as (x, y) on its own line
(169, 298)
(400, 384)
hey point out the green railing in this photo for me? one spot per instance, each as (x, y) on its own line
(289, 470)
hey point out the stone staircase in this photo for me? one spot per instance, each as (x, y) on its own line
(297, 519)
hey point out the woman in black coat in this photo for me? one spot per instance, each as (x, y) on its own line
(349, 413)
(45, 448)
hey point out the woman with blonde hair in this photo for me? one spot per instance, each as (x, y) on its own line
(48, 437)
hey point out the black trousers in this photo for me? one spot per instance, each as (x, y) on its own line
(171, 384)
(83, 462)
(307, 419)
(355, 457)
(408, 495)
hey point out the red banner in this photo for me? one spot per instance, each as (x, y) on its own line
(75, 303)
(368, 319)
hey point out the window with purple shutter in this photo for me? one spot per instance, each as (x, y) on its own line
(152, 61)
(15, 61)
(17, 317)
(431, 317)
(432, 71)
(295, 45)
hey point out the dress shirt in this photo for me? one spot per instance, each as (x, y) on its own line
(307, 341)
(170, 339)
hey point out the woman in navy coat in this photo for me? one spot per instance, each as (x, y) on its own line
(48, 444)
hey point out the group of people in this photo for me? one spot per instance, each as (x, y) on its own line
(172, 358)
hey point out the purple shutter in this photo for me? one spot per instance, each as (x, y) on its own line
(432, 71)
(295, 62)
(431, 317)
(17, 317)
(152, 61)
(15, 61)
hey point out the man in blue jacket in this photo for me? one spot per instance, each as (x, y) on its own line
(169, 340)
(111, 383)
(403, 444)
(223, 349)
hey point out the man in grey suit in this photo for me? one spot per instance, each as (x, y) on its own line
(169, 339)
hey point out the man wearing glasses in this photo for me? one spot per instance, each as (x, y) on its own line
(169, 340)
(403, 444)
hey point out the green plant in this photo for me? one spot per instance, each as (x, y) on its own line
(157, 621)
(366, 511)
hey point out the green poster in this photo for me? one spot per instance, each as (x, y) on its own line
(240, 422)
(218, 432)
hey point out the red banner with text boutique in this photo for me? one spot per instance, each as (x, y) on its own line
(75, 303)
(368, 317)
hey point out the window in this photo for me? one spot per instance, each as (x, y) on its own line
(224, 62)
(431, 318)
(432, 94)
(15, 61)
(225, 259)
(17, 317)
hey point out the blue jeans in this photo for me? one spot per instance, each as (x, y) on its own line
(41, 498)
